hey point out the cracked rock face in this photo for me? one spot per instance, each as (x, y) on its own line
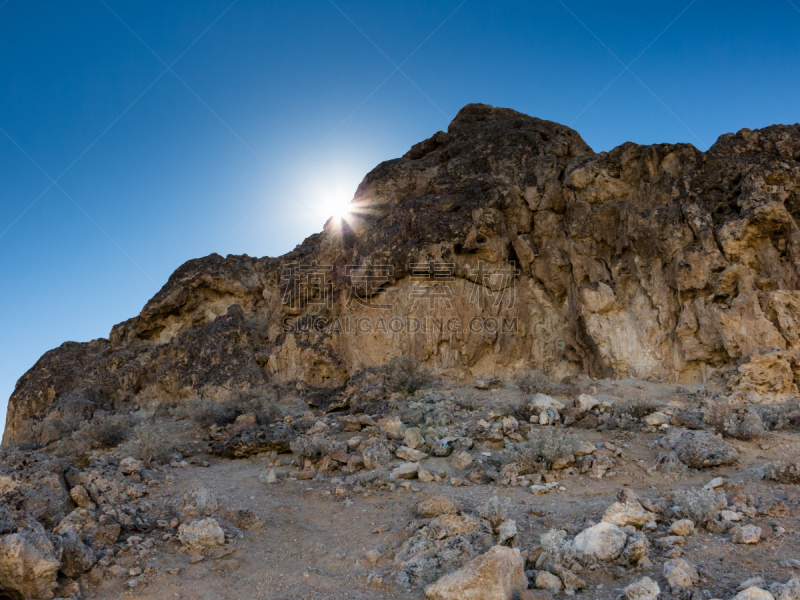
(648, 261)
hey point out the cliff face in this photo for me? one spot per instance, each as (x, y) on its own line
(501, 244)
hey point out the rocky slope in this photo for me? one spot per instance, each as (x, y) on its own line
(649, 261)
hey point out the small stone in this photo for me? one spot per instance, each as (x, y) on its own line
(393, 428)
(644, 589)
(410, 454)
(201, 535)
(436, 506)
(714, 483)
(506, 531)
(373, 556)
(81, 497)
(680, 574)
(413, 437)
(461, 461)
(684, 527)
(585, 402)
(548, 581)
(754, 593)
(405, 471)
(498, 574)
(628, 513)
(656, 419)
(130, 465)
(748, 534)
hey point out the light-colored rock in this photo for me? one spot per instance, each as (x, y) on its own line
(754, 593)
(604, 541)
(540, 402)
(730, 515)
(496, 575)
(585, 402)
(714, 483)
(29, 564)
(199, 536)
(410, 454)
(81, 497)
(747, 534)
(680, 574)
(644, 589)
(413, 437)
(436, 506)
(461, 461)
(130, 465)
(393, 428)
(584, 448)
(374, 454)
(549, 416)
(656, 419)
(789, 590)
(628, 513)
(548, 581)
(684, 527)
(405, 471)
(506, 531)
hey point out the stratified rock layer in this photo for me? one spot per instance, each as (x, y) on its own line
(649, 261)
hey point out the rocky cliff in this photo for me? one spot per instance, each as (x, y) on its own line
(504, 243)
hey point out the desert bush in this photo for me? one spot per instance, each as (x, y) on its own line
(55, 427)
(743, 423)
(542, 448)
(265, 409)
(535, 382)
(783, 472)
(700, 505)
(406, 375)
(153, 445)
(107, 431)
(314, 446)
(206, 412)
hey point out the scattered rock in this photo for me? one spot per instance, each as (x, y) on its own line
(436, 506)
(199, 536)
(29, 563)
(461, 461)
(684, 528)
(496, 575)
(604, 541)
(680, 574)
(747, 534)
(644, 589)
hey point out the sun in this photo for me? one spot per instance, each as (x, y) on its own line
(340, 208)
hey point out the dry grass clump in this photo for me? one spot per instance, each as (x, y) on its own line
(206, 412)
(700, 505)
(535, 382)
(405, 375)
(55, 427)
(153, 445)
(542, 448)
(740, 422)
(107, 431)
(315, 446)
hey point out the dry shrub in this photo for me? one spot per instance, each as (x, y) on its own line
(206, 412)
(54, 427)
(535, 382)
(107, 431)
(494, 510)
(542, 448)
(740, 422)
(153, 445)
(405, 375)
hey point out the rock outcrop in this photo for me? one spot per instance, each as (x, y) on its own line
(503, 243)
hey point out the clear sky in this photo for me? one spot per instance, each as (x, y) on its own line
(135, 135)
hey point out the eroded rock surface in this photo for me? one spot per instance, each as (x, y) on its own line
(649, 261)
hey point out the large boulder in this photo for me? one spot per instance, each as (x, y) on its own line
(703, 449)
(76, 557)
(32, 485)
(604, 541)
(29, 564)
(496, 575)
(680, 574)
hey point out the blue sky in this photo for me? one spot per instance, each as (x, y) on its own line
(177, 129)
